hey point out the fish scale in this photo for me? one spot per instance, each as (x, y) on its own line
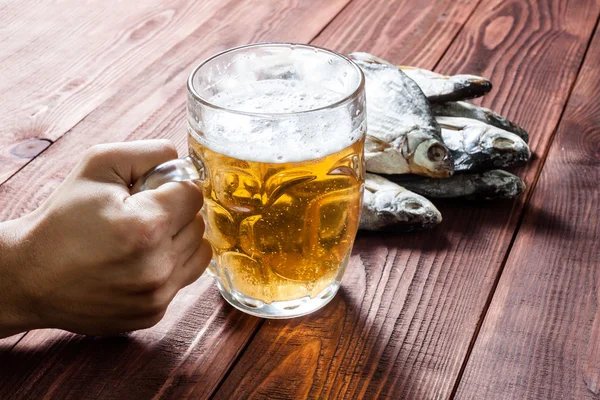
(402, 134)
(487, 185)
(387, 205)
(467, 110)
(441, 88)
(414, 115)
(477, 146)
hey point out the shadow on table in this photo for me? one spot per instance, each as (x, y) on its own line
(368, 343)
(180, 354)
(90, 367)
(78, 363)
(478, 216)
(472, 220)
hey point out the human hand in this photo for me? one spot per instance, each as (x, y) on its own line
(94, 259)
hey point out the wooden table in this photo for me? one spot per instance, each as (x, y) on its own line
(500, 301)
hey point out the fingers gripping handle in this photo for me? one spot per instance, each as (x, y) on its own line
(180, 169)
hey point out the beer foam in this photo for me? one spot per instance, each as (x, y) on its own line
(283, 133)
(276, 96)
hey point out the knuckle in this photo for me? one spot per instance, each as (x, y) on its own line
(96, 150)
(194, 193)
(167, 148)
(187, 194)
(146, 285)
(150, 284)
(96, 155)
(140, 234)
(150, 230)
(99, 151)
(152, 280)
(157, 304)
(121, 230)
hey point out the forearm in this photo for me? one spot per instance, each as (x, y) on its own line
(15, 307)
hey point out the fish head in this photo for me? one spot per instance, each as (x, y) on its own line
(405, 208)
(507, 148)
(473, 80)
(499, 184)
(432, 158)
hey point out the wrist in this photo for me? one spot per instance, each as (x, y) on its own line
(17, 311)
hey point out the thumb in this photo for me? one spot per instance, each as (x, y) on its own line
(126, 162)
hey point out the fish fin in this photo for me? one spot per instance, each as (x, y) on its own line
(374, 145)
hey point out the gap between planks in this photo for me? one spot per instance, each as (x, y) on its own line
(52, 142)
(19, 170)
(235, 360)
(458, 32)
(520, 219)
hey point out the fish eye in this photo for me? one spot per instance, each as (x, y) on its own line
(503, 143)
(412, 205)
(437, 153)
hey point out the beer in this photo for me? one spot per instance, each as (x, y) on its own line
(281, 214)
(281, 231)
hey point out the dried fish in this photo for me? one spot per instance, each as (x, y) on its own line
(403, 136)
(387, 205)
(488, 185)
(478, 146)
(468, 110)
(440, 88)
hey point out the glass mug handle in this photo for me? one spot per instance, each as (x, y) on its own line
(177, 170)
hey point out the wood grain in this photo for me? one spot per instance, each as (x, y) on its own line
(189, 351)
(157, 108)
(541, 337)
(532, 50)
(411, 323)
(56, 70)
(406, 31)
(177, 354)
(402, 323)
(6, 344)
(146, 112)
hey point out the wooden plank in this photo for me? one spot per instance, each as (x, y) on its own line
(164, 82)
(58, 62)
(406, 31)
(56, 70)
(194, 345)
(188, 350)
(410, 304)
(541, 337)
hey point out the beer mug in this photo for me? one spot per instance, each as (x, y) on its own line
(276, 134)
